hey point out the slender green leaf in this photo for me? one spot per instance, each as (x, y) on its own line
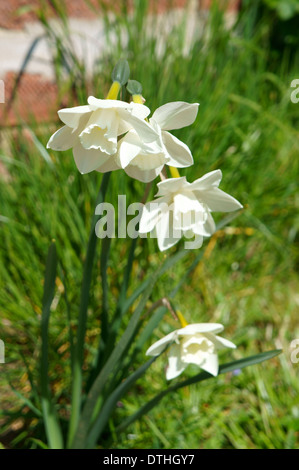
(110, 404)
(68, 311)
(39, 443)
(106, 242)
(138, 291)
(153, 322)
(229, 367)
(120, 311)
(228, 219)
(171, 261)
(40, 147)
(104, 336)
(52, 426)
(27, 402)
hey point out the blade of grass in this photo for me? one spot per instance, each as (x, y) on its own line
(52, 426)
(106, 243)
(39, 146)
(21, 72)
(68, 311)
(105, 287)
(39, 443)
(27, 402)
(115, 324)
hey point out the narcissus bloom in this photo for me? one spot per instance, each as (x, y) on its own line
(92, 131)
(183, 208)
(194, 344)
(144, 161)
(140, 160)
(173, 116)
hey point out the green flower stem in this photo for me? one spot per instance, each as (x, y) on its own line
(51, 421)
(79, 346)
(120, 311)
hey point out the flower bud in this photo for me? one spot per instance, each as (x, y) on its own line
(121, 72)
(134, 87)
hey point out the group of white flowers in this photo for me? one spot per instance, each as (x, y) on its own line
(110, 134)
(181, 208)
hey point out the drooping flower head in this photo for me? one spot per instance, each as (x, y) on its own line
(92, 131)
(194, 344)
(184, 208)
(144, 161)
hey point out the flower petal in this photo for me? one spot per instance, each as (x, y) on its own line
(179, 153)
(129, 146)
(123, 127)
(175, 365)
(145, 176)
(63, 139)
(167, 236)
(207, 181)
(211, 364)
(139, 110)
(101, 131)
(109, 165)
(175, 115)
(188, 212)
(96, 103)
(218, 200)
(186, 202)
(88, 160)
(143, 129)
(207, 228)
(156, 348)
(194, 328)
(71, 116)
(150, 214)
(223, 343)
(171, 185)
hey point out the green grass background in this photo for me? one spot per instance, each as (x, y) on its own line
(248, 127)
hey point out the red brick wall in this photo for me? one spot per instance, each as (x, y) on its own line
(36, 96)
(229, 5)
(35, 101)
(15, 13)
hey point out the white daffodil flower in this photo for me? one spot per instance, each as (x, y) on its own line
(144, 161)
(92, 131)
(194, 344)
(183, 208)
(140, 160)
(173, 116)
